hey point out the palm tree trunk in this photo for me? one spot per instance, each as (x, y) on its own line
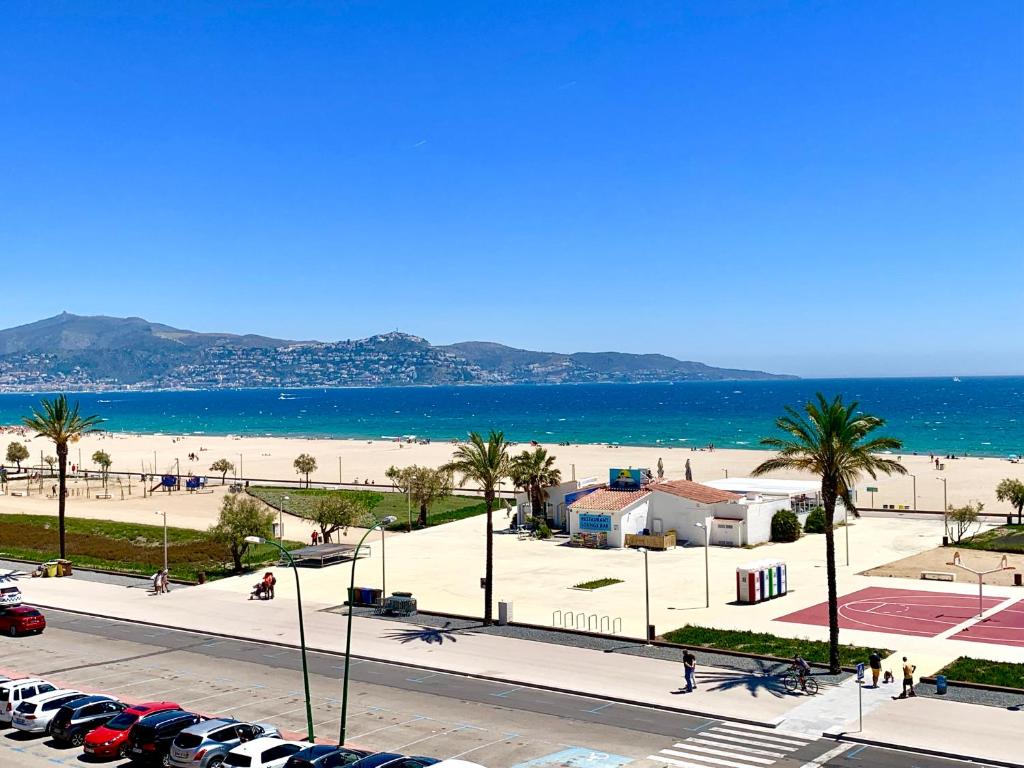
(833, 598)
(489, 565)
(62, 469)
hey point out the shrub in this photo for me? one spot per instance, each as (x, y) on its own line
(815, 522)
(785, 526)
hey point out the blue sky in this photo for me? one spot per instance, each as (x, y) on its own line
(818, 188)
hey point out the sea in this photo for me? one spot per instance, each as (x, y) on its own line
(981, 416)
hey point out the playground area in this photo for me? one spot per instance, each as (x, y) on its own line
(921, 614)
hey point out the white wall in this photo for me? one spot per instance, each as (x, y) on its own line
(633, 520)
(759, 518)
(680, 514)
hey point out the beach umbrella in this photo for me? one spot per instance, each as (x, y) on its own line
(689, 472)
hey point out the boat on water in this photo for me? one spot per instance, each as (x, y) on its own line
(956, 379)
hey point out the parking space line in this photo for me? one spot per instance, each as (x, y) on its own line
(503, 694)
(401, 747)
(421, 679)
(506, 737)
(254, 703)
(386, 727)
(597, 710)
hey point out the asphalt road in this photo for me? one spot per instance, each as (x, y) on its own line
(396, 708)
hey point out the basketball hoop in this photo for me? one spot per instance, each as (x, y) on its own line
(1003, 566)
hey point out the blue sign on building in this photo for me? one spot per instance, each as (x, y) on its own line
(625, 479)
(595, 523)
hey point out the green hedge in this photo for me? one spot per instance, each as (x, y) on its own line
(968, 670)
(765, 644)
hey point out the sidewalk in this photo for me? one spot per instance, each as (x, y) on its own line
(980, 732)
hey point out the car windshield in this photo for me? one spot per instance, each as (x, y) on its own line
(122, 722)
(5, 694)
(26, 706)
(239, 761)
(188, 740)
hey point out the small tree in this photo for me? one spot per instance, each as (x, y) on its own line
(102, 459)
(960, 520)
(332, 512)
(223, 466)
(815, 522)
(1012, 492)
(241, 516)
(424, 486)
(305, 465)
(50, 461)
(785, 526)
(17, 453)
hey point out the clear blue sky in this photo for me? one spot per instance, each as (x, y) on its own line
(822, 188)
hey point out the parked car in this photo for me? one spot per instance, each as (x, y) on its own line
(453, 763)
(111, 739)
(20, 620)
(13, 692)
(205, 744)
(150, 739)
(325, 756)
(35, 715)
(10, 594)
(264, 752)
(393, 760)
(76, 718)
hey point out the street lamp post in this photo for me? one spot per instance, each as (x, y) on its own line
(164, 513)
(914, 478)
(348, 633)
(280, 518)
(302, 630)
(706, 525)
(726, 473)
(647, 597)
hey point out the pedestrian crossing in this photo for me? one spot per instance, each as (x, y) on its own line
(731, 745)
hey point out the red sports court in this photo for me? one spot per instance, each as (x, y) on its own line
(1005, 627)
(899, 611)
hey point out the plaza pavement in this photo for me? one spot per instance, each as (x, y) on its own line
(920, 723)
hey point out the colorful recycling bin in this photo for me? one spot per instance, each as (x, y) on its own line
(761, 580)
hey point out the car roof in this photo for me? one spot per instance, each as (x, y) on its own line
(85, 701)
(23, 681)
(42, 698)
(378, 759)
(316, 750)
(205, 727)
(157, 718)
(20, 608)
(258, 745)
(148, 707)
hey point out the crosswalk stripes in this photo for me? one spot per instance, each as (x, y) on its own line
(732, 745)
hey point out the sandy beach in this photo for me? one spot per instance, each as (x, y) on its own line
(354, 461)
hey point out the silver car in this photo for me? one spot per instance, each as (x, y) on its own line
(205, 744)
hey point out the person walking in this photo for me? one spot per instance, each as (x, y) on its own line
(689, 668)
(156, 582)
(875, 662)
(165, 581)
(908, 679)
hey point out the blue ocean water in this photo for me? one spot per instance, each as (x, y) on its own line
(976, 416)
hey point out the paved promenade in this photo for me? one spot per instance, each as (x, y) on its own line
(725, 693)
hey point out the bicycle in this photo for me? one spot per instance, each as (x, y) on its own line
(791, 681)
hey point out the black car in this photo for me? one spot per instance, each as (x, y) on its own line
(150, 738)
(325, 756)
(394, 760)
(76, 719)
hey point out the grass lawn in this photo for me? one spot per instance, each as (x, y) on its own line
(124, 547)
(300, 502)
(597, 583)
(764, 644)
(968, 670)
(1005, 538)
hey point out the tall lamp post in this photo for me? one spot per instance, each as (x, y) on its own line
(348, 633)
(302, 630)
(945, 510)
(280, 519)
(706, 525)
(647, 597)
(164, 513)
(914, 505)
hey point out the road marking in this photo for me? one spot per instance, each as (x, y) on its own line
(506, 737)
(701, 751)
(820, 760)
(763, 737)
(769, 731)
(597, 710)
(422, 679)
(252, 703)
(712, 735)
(386, 727)
(503, 694)
(702, 726)
(857, 751)
(711, 743)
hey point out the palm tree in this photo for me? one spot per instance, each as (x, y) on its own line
(534, 471)
(834, 442)
(60, 422)
(486, 464)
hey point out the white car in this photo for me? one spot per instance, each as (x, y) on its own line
(9, 594)
(13, 692)
(453, 763)
(264, 752)
(35, 715)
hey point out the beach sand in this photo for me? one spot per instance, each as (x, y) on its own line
(270, 459)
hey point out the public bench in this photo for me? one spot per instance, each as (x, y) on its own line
(938, 576)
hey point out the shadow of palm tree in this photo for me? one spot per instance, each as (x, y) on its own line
(765, 678)
(429, 635)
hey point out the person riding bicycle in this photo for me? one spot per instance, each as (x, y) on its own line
(802, 669)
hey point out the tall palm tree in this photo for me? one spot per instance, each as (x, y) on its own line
(534, 471)
(60, 422)
(486, 464)
(834, 442)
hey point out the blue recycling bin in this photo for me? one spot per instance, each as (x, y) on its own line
(940, 685)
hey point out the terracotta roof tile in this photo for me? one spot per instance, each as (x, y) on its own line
(687, 489)
(609, 500)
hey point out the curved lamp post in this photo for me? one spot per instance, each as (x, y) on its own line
(302, 630)
(348, 634)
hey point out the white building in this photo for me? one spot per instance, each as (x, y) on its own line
(803, 495)
(555, 500)
(604, 516)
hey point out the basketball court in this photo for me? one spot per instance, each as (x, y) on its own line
(1005, 627)
(912, 612)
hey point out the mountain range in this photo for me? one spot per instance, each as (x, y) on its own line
(76, 352)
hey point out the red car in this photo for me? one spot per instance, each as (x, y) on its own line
(20, 620)
(111, 740)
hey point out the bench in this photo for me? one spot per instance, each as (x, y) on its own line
(938, 576)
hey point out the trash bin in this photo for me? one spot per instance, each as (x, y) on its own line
(51, 569)
(63, 567)
(504, 612)
(940, 685)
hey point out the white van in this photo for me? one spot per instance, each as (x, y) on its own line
(13, 692)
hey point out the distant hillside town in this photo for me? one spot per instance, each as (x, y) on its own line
(74, 352)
